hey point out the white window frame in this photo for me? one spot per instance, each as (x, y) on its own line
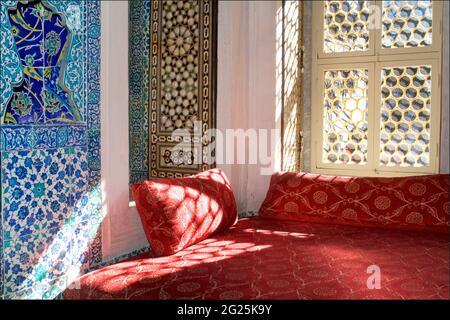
(374, 60)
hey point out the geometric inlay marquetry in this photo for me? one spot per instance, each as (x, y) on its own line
(182, 84)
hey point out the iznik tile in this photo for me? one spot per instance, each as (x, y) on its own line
(72, 136)
(94, 149)
(18, 138)
(57, 191)
(48, 263)
(50, 222)
(53, 53)
(36, 191)
(11, 71)
(95, 256)
(26, 105)
(58, 103)
(2, 281)
(56, 37)
(27, 28)
(20, 257)
(139, 48)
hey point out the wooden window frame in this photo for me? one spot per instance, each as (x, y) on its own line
(374, 62)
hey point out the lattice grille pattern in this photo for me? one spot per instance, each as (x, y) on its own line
(179, 64)
(405, 116)
(346, 26)
(407, 24)
(292, 77)
(345, 116)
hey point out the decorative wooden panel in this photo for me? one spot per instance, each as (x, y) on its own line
(182, 84)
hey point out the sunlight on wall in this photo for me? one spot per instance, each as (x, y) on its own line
(73, 255)
(289, 78)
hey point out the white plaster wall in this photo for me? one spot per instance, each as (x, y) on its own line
(122, 229)
(246, 83)
(264, 111)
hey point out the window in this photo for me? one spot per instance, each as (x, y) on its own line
(376, 87)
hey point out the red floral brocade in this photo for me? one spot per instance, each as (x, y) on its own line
(179, 212)
(411, 203)
(285, 254)
(269, 259)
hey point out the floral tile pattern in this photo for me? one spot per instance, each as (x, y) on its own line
(15, 137)
(1, 258)
(19, 260)
(50, 222)
(139, 48)
(37, 191)
(46, 46)
(54, 202)
(42, 261)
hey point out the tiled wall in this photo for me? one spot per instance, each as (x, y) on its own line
(139, 58)
(50, 142)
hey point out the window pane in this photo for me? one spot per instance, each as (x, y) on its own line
(346, 26)
(345, 116)
(405, 116)
(407, 24)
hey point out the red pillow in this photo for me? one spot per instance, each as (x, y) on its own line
(179, 212)
(412, 203)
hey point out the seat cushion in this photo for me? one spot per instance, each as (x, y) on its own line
(179, 212)
(418, 203)
(268, 259)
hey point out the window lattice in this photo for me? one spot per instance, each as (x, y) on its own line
(346, 26)
(405, 116)
(375, 94)
(345, 116)
(407, 24)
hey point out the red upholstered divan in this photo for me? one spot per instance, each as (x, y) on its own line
(269, 258)
(419, 203)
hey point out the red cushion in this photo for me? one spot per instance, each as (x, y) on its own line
(179, 212)
(412, 203)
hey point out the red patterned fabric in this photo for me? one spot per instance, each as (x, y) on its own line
(179, 212)
(412, 203)
(264, 259)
